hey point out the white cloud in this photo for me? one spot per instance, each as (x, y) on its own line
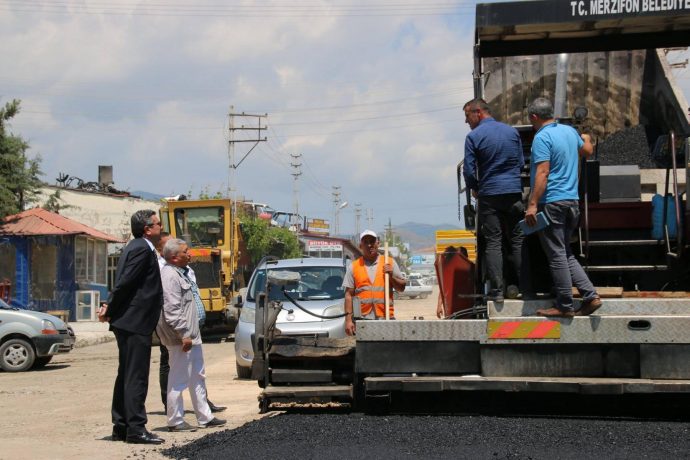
(372, 103)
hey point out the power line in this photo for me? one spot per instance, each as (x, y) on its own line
(294, 10)
(382, 117)
(312, 181)
(459, 89)
(460, 119)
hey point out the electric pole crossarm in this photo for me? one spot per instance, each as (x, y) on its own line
(248, 115)
(251, 140)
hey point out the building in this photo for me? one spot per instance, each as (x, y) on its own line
(109, 213)
(54, 263)
(318, 245)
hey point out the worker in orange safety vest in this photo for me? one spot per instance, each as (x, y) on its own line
(364, 279)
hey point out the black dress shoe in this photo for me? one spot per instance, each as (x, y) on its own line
(144, 438)
(215, 408)
(118, 435)
(213, 423)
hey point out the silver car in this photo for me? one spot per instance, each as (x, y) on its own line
(31, 338)
(319, 291)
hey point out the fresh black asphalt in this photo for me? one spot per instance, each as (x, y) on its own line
(358, 436)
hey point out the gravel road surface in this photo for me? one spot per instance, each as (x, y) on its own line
(63, 412)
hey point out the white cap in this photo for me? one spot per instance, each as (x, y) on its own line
(368, 233)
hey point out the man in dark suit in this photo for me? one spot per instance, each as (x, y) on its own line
(133, 310)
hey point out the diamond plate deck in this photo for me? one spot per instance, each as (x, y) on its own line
(610, 307)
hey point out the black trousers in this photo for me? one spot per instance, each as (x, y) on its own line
(500, 216)
(132, 382)
(163, 371)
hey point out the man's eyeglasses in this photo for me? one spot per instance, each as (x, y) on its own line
(154, 224)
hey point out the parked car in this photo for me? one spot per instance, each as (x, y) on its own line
(291, 221)
(31, 338)
(415, 288)
(318, 291)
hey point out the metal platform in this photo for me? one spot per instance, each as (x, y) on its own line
(609, 329)
(590, 386)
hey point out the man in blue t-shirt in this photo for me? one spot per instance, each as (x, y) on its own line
(554, 165)
(491, 168)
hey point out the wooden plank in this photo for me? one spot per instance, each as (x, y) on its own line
(62, 314)
(657, 294)
(605, 292)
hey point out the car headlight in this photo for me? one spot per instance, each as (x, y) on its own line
(48, 328)
(334, 310)
(247, 315)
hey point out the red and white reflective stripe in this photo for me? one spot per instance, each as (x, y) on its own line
(533, 329)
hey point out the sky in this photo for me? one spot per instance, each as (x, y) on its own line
(369, 93)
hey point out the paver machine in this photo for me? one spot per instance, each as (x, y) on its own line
(607, 71)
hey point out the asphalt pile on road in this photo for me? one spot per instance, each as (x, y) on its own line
(629, 146)
(353, 436)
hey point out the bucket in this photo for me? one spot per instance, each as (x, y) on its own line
(658, 217)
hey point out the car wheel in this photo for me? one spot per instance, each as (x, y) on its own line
(16, 355)
(243, 372)
(424, 296)
(41, 361)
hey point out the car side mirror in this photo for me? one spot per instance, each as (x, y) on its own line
(238, 301)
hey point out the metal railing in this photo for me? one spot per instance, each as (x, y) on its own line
(676, 201)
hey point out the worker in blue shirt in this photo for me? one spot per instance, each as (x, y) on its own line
(491, 168)
(555, 152)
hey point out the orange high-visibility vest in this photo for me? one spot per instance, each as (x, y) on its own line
(371, 295)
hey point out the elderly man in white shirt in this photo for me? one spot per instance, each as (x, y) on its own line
(178, 329)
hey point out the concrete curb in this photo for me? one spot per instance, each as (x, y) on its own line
(86, 339)
(91, 333)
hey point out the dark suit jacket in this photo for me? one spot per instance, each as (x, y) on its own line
(135, 303)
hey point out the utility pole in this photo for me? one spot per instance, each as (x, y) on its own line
(255, 133)
(336, 202)
(297, 171)
(389, 231)
(370, 218)
(255, 136)
(358, 213)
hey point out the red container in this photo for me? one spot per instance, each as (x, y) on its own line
(456, 276)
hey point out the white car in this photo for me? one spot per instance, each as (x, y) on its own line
(319, 291)
(415, 288)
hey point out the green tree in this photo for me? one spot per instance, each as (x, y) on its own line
(19, 181)
(395, 240)
(205, 194)
(263, 240)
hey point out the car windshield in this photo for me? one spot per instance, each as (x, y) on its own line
(316, 283)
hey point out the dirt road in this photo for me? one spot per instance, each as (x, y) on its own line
(63, 411)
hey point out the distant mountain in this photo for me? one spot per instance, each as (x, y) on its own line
(147, 195)
(421, 237)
